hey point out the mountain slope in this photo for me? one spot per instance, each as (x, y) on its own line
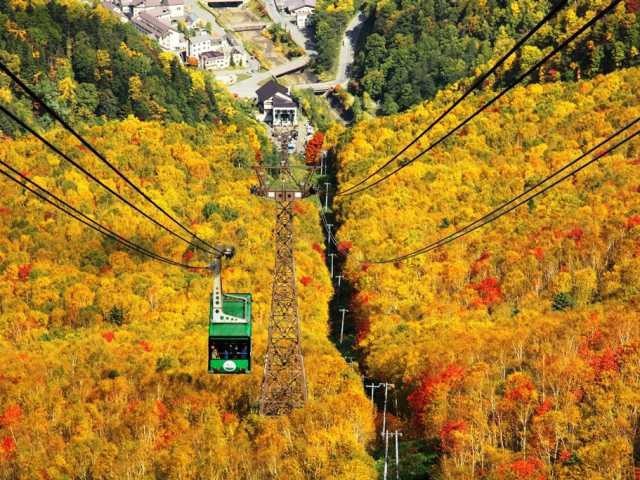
(517, 347)
(87, 64)
(104, 352)
(415, 49)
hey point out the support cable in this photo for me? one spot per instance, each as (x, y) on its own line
(100, 156)
(52, 147)
(73, 212)
(547, 57)
(519, 200)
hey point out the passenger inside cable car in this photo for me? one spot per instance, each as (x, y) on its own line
(237, 349)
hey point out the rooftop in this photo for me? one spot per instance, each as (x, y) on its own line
(158, 11)
(174, 3)
(293, 5)
(150, 24)
(202, 37)
(211, 55)
(269, 89)
(281, 100)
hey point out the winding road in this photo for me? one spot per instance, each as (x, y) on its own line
(346, 57)
(247, 88)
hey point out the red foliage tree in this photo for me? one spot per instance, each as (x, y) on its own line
(575, 234)
(314, 147)
(228, 417)
(423, 394)
(447, 438)
(306, 281)
(161, 409)
(489, 291)
(606, 361)
(11, 415)
(544, 407)
(8, 447)
(538, 252)
(565, 456)
(344, 246)
(108, 336)
(318, 248)
(519, 388)
(634, 220)
(528, 469)
(187, 256)
(146, 346)
(24, 271)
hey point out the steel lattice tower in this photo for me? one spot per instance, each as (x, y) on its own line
(284, 384)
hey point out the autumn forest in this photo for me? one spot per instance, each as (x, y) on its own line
(443, 336)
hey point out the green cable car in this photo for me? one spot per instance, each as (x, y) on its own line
(229, 326)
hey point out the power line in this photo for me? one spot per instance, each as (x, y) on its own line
(514, 203)
(83, 218)
(515, 83)
(104, 160)
(51, 146)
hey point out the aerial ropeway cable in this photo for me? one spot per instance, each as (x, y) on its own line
(46, 196)
(352, 190)
(524, 197)
(101, 157)
(55, 149)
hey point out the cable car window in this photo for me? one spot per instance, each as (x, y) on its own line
(230, 349)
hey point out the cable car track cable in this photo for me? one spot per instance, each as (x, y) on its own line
(86, 220)
(100, 156)
(52, 147)
(494, 215)
(515, 83)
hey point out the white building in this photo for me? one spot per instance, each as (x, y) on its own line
(139, 6)
(302, 9)
(276, 103)
(161, 13)
(199, 44)
(168, 38)
(238, 58)
(214, 60)
(176, 8)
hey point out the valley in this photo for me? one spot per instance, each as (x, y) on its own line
(427, 218)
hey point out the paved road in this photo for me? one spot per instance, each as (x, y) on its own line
(247, 88)
(302, 40)
(346, 57)
(348, 48)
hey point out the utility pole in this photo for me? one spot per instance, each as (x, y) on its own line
(339, 277)
(396, 436)
(284, 384)
(373, 386)
(343, 311)
(386, 455)
(331, 255)
(326, 195)
(329, 225)
(384, 413)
